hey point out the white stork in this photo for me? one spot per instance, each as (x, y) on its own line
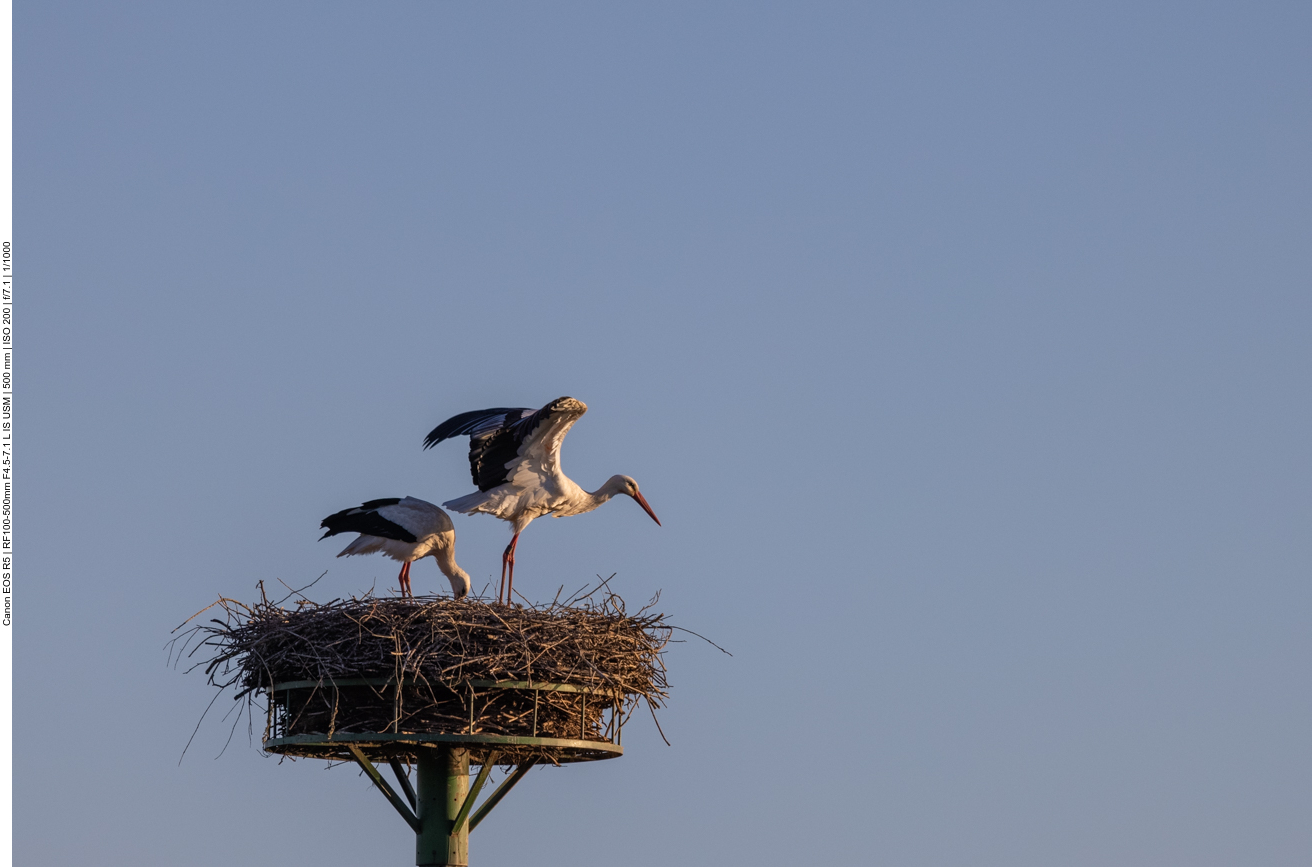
(514, 455)
(403, 529)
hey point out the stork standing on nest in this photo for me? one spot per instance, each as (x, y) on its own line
(404, 529)
(514, 455)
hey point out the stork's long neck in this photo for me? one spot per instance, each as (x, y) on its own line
(586, 501)
(596, 498)
(446, 561)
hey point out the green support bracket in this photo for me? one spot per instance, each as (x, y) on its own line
(483, 773)
(399, 770)
(501, 792)
(387, 791)
(444, 800)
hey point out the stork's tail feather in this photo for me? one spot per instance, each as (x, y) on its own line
(468, 504)
(364, 545)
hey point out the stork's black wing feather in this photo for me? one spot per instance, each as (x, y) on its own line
(497, 436)
(474, 423)
(365, 519)
(378, 504)
(489, 454)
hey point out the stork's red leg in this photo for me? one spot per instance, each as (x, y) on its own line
(510, 584)
(505, 563)
(405, 579)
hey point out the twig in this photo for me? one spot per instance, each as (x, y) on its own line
(297, 592)
(703, 638)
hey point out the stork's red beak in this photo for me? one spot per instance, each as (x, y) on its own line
(642, 501)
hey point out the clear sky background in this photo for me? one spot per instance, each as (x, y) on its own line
(963, 350)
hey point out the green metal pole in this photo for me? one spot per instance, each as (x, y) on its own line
(443, 784)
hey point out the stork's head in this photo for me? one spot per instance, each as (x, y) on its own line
(627, 485)
(446, 561)
(459, 579)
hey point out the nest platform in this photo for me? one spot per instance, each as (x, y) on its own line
(440, 685)
(389, 679)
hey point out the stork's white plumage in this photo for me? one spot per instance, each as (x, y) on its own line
(514, 455)
(404, 529)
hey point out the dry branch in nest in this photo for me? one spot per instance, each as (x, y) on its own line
(429, 662)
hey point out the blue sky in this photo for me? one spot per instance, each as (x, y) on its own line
(962, 350)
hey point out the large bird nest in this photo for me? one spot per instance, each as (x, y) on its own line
(432, 665)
